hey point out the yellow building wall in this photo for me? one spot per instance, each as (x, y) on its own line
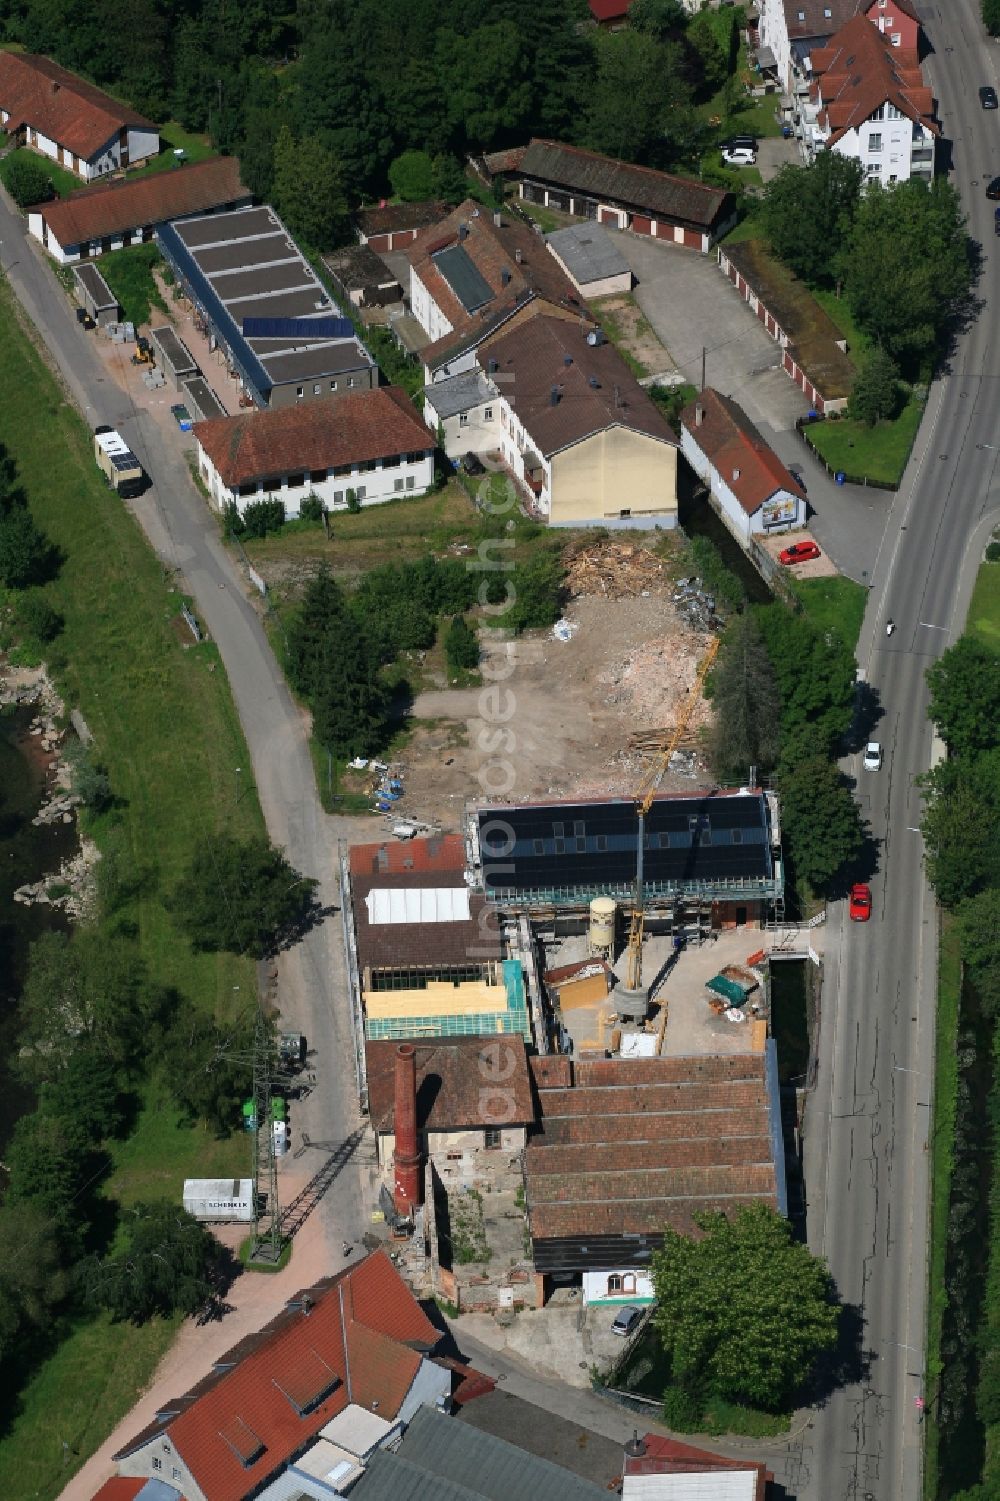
(438, 998)
(614, 471)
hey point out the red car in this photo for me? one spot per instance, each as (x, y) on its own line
(861, 903)
(799, 552)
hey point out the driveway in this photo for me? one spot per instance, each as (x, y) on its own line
(692, 307)
(774, 152)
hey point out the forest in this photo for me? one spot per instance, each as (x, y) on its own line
(342, 88)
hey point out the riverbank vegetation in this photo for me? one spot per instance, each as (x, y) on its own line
(107, 1130)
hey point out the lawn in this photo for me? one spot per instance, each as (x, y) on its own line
(196, 148)
(63, 181)
(833, 604)
(942, 1162)
(745, 116)
(878, 453)
(984, 612)
(166, 729)
(129, 274)
(858, 343)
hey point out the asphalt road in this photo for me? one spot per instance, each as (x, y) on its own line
(312, 988)
(867, 1124)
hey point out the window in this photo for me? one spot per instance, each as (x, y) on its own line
(299, 392)
(157, 1462)
(538, 845)
(882, 4)
(492, 1138)
(581, 846)
(333, 385)
(628, 1282)
(295, 481)
(463, 419)
(317, 476)
(410, 482)
(878, 114)
(579, 827)
(736, 836)
(624, 513)
(802, 15)
(487, 414)
(246, 489)
(317, 388)
(175, 1473)
(558, 829)
(361, 492)
(896, 39)
(614, 1284)
(350, 382)
(338, 497)
(397, 485)
(560, 846)
(827, 12)
(875, 141)
(392, 462)
(601, 843)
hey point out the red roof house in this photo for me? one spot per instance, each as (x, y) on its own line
(69, 120)
(752, 486)
(677, 1466)
(357, 1339)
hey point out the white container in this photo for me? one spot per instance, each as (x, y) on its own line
(601, 933)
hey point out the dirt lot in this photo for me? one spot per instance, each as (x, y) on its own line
(570, 708)
(632, 332)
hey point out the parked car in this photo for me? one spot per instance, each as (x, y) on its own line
(739, 156)
(993, 190)
(860, 908)
(872, 760)
(799, 552)
(473, 465)
(996, 221)
(988, 97)
(626, 1320)
(749, 141)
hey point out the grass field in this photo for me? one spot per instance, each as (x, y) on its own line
(166, 729)
(833, 604)
(878, 453)
(942, 1156)
(129, 274)
(62, 179)
(196, 148)
(984, 611)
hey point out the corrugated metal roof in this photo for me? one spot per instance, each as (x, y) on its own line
(418, 904)
(718, 1485)
(588, 252)
(441, 1460)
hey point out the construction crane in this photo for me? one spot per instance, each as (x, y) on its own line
(644, 795)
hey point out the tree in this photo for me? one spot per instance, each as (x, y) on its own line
(461, 646)
(907, 268)
(27, 181)
(49, 1161)
(351, 704)
(991, 16)
(961, 812)
(711, 59)
(815, 673)
(823, 827)
(242, 896)
(979, 926)
(412, 176)
(170, 1264)
(90, 781)
(37, 618)
(965, 697)
(537, 586)
(307, 189)
(743, 1312)
(489, 81)
(35, 1280)
(641, 105)
(746, 727)
(323, 612)
(449, 178)
(203, 1068)
(25, 553)
(875, 395)
(87, 1092)
(807, 213)
(659, 19)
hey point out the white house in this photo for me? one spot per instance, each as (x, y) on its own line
(69, 120)
(869, 102)
(753, 489)
(371, 443)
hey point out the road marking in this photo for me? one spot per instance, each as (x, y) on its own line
(911, 830)
(928, 627)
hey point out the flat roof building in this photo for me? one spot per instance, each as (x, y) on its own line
(591, 259)
(266, 308)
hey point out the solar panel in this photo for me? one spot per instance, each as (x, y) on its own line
(298, 328)
(468, 284)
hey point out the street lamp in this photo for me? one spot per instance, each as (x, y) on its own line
(238, 770)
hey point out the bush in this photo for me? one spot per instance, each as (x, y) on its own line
(353, 503)
(461, 646)
(263, 516)
(312, 509)
(716, 577)
(993, 553)
(90, 781)
(37, 618)
(537, 585)
(232, 520)
(876, 395)
(26, 181)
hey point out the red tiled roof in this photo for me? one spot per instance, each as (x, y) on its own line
(37, 92)
(114, 208)
(390, 217)
(737, 451)
(858, 70)
(609, 10)
(439, 853)
(596, 390)
(120, 1488)
(685, 1135)
(668, 1456)
(243, 1422)
(332, 430)
(457, 1083)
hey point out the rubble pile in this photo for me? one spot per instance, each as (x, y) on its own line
(615, 570)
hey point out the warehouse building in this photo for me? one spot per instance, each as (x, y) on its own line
(265, 309)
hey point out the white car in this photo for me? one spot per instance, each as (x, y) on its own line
(739, 156)
(872, 760)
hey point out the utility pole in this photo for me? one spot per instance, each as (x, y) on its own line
(704, 352)
(266, 1246)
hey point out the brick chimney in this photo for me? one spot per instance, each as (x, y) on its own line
(699, 415)
(408, 1176)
